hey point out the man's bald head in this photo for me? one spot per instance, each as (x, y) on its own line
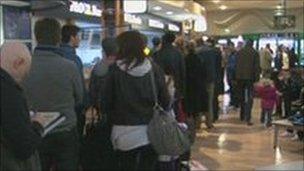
(15, 59)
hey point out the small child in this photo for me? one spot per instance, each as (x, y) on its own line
(268, 94)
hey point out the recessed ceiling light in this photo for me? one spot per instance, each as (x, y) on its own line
(169, 12)
(216, 1)
(157, 8)
(279, 7)
(223, 7)
(227, 30)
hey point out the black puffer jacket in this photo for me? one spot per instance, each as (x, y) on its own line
(128, 94)
(172, 62)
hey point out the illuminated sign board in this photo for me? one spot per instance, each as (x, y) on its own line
(133, 6)
(173, 27)
(129, 18)
(85, 8)
(200, 24)
(156, 24)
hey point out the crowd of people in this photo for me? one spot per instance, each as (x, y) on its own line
(107, 121)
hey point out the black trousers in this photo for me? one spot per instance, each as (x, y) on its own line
(287, 105)
(216, 102)
(246, 99)
(142, 158)
(60, 150)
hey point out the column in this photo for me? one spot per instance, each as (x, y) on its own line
(112, 20)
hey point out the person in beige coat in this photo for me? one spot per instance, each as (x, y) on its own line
(266, 61)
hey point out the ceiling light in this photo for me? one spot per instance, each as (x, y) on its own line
(223, 7)
(279, 7)
(216, 1)
(157, 8)
(169, 12)
(227, 30)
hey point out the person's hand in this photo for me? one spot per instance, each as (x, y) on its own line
(92, 115)
(40, 119)
(279, 93)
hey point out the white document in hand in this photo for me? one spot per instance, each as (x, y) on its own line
(50, 120)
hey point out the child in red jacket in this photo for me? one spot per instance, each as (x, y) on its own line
(268, 95)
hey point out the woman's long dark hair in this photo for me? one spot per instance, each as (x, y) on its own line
(131, 47)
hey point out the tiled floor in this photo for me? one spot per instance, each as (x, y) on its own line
(233, 145)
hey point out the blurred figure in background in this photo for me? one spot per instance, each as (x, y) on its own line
(219, 76)
(97, 150)
(212, 63)
(293, 59)
(278, 60)
(231, 79)
(196, 98)
(247, 73)
(239, 46)
(70, 40)
(266, 61)
(172, 62)
(285, 58)
(156, 41)
(179, 43)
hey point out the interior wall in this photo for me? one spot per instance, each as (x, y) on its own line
(235, 22)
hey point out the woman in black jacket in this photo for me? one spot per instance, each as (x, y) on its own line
(129, 103)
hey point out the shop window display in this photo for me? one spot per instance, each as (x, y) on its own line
(16, 22)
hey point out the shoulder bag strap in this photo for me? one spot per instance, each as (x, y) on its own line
(153, 83)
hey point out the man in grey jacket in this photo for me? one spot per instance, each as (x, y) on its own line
(54, 85)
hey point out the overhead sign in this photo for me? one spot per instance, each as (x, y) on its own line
(200, 24)
(85, 8)
(173, 27)
(156, 24)
(129, 18)
(132, 6)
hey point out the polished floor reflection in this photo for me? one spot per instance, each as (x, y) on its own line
(233, 145)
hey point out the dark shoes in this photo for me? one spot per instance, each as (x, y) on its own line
(249, 123)
(210, 126)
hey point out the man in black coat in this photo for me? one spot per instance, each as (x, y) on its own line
(247, 72)
(211, 58)
(172, 62)
(20, 135)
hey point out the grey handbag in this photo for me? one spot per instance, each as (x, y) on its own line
(164, 133)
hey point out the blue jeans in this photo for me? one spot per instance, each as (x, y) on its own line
(246, 99)
(266, 116)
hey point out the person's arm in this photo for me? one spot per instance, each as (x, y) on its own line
(107, 101)
(163, 94)
(18, 133)
(183, 74)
